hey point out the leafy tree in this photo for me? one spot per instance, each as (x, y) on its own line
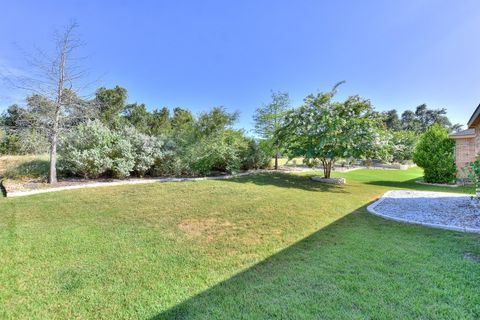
(435, 154)
(181, 119)
(409, 121)
(161, 125)
(391, 120)
(423, 117)
(111, 103)
(402, 145)
(182, 123)
(324, 130)
(217, 119)
(269, 118)
(138, 116)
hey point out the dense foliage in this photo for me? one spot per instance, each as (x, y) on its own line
(107, 136)
(419, 120)
(472, 173)
(324, 130)
(190, 146)
(401, 145)
(434, 153)
(268, 119)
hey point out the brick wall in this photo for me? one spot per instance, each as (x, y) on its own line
(466, 151)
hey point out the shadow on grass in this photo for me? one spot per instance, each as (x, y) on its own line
(411, 184)
(289, 181)
(360, 266)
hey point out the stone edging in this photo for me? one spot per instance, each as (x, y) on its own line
(128, 182)
(371, 209)
(437, 184)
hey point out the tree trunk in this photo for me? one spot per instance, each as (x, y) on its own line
(327, 169)
(52, 173)
(324, 166)
(276, 161)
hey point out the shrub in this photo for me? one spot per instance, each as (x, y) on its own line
(220, 152)
(255, 157)
(172, 162)
(472, 173)
(92, 149)
(146, 150)
(435, 154)
(121, 155)
(84, 150)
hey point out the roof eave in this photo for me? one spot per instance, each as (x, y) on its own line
(475, 118)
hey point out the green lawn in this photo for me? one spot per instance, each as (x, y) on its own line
(258, 247)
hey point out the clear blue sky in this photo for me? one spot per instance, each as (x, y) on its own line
(200, 54)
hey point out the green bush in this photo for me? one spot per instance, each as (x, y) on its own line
(255, 157)
(145, 150)
(92, 149)
(172, 162)
(221, 152)
(84, 150)
(435, 154)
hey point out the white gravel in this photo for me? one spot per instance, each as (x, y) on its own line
(434, 209)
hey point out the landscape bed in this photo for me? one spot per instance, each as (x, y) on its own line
(263, 246)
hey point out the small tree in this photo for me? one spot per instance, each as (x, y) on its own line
(269, 119)
(435, 154)
(54, 89)
(324, 130)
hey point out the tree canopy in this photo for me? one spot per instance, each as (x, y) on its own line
(419, 120)
(326, 130)
(269, 118)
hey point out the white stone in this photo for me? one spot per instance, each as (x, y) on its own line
(329, 180)
(443, 210)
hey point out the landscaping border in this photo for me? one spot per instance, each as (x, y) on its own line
(127, 182)
(437, 184)
(371, 209)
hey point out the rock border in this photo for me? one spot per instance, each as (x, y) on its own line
(127, 182)
(371, 209)
(139, 181)
(437, 184)
(337, 181)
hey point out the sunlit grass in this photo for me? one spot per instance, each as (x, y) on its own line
(192, 251)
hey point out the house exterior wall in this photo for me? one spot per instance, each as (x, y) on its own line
(466, 150)
(477, 141)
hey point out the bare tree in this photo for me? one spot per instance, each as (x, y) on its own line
(53, 85)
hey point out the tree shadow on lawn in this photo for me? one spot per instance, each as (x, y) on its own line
(411, 184)
(290, 181)
(360, 266)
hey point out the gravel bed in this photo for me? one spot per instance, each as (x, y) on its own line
(434, 209)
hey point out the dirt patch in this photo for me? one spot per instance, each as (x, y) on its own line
(210, 228)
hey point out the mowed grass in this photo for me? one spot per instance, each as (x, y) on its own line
(259, 247)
